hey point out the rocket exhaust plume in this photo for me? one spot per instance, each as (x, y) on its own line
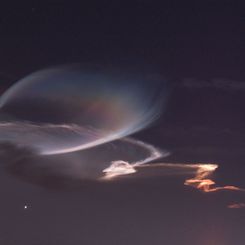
(201, 182)
(202, 171)
(121, 167)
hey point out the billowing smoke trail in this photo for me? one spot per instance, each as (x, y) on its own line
(154, 152)
(121, 167)
(202, 172)
(203, 183)
(200, 180)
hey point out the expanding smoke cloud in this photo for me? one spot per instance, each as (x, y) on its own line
(66, 125)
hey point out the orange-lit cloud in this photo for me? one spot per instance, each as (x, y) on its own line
(200, 180)
(202, 171)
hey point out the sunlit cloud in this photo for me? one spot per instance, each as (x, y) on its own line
(202, 179)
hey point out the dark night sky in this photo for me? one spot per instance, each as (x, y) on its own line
(199, 46)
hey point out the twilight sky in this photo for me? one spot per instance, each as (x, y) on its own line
(199, 47)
